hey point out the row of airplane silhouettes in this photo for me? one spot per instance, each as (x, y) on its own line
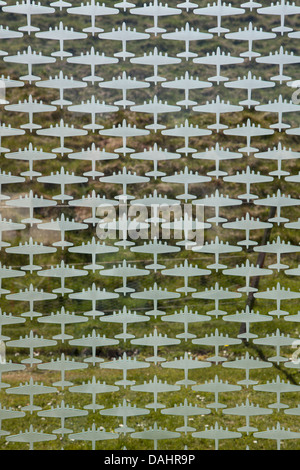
(157, 203)
(124, 34)
(125, 270)
(155, 10)
(155, 341)
(153, 386)
(96, 202)
(153, 433)
(154, 59)
(216, 294)
(153, 154)
(155, 247)
(156, 107)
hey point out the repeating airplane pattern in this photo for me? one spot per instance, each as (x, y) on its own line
(149, 225)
